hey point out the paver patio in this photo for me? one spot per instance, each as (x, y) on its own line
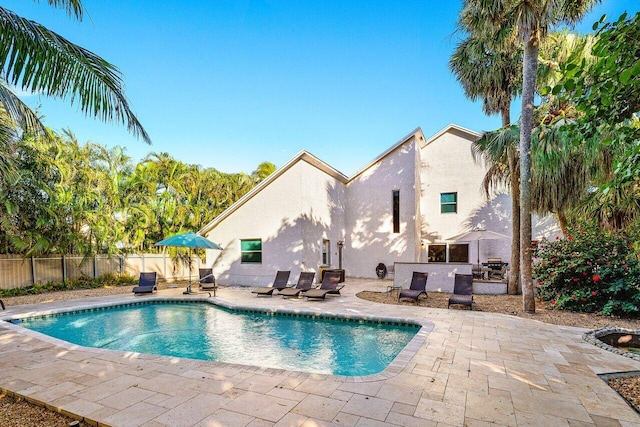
(472, 368)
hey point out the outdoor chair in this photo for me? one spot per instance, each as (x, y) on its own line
(462, 291)
(207, 280)
(305, 283)
(418, 287)
(2, 304)
(146, 283)
(282, 277)
(330, 285)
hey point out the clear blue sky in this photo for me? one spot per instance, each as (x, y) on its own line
(230, 84)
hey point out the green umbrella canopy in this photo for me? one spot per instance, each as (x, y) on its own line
(189, 240)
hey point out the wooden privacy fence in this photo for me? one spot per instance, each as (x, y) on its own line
(18, 272)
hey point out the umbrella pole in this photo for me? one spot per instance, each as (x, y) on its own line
(188, 291)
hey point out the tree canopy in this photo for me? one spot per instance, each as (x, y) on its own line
(64, 197)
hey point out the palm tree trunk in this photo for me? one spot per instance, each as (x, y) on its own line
(514, 271)
(562, 221)
(530, 65)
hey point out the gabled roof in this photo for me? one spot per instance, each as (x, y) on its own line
(417, 133)
(301, 156)
(474, 135)
(329, 170)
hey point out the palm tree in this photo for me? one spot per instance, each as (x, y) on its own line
(489, 71)
(531, 20)
(38, 60)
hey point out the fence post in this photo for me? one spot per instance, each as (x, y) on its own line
(95, 266)
(64, 270)
(33, 271)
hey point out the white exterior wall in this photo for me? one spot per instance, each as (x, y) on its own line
(291, 215)
(447, 167)
(370, 238)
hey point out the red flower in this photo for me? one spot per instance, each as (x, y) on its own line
(569, 237)
(596, 278)
(553, 302)
(574, 296)
(588, 262)
(594, 293)
(584, 273)
(583, 299)
(575, 279)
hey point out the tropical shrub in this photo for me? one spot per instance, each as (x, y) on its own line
(589, 270)
(82, 282)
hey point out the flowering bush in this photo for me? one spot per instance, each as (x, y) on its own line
(589, 270)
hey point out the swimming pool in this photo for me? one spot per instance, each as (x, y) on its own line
(199, 330)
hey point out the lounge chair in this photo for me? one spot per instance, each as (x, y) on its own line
(146, 284)
(418, 287)
(462, 291)
(330, 285)
(2, 304)
(207, 280)
(305, 283)
(282, 277)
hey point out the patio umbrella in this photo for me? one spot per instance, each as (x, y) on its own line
(189, 240)
(477, 235)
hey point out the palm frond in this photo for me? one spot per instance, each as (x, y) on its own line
(73, 8)
(19, 112)
(41, 61)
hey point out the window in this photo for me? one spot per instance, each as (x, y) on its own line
(251, 251)
(459, 252)
(437, 253)
(396, 211)
(326, 252)
(448, 202)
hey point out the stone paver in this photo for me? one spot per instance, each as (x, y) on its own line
(464, 368)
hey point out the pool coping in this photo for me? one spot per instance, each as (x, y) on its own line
(394, 368)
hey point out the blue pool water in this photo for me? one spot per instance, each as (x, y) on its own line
(204, 331)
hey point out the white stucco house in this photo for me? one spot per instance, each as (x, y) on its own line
(402, 207)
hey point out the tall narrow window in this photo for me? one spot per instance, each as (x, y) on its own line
(396, 211)
(326, 252)
(448, 202)
(251, 251)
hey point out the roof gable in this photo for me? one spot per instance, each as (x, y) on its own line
(304, 156)
(417, 133)
(451, 128)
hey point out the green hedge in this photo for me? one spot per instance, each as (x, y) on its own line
(83, 282)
